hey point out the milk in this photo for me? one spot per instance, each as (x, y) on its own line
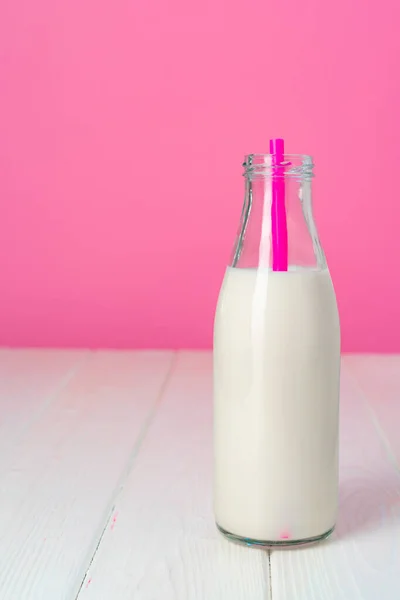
(276, 388)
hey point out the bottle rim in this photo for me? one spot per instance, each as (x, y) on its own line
(298, 166)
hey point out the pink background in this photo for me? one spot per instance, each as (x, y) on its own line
(122, 129)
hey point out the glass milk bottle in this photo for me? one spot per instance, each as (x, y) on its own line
(276, 366)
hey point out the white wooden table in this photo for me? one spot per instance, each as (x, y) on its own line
(105, 485)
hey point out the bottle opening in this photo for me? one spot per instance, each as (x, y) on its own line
(297, 166)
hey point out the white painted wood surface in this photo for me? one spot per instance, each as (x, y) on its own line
(30, 382)
(59, 481)
(378, 380)
(362, 559)
(105, 485)
(162, 542)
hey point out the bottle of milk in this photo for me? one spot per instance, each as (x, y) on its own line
(276, 367)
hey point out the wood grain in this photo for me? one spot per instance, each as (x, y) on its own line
(362, 559)
(161, 542)
(58, 486)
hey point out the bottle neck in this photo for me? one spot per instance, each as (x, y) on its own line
(278, 204)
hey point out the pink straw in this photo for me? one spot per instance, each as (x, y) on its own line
(278, 210)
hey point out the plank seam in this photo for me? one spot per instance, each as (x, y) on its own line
(50, 399)
(269, 574)
(129, 466)
(65, 381)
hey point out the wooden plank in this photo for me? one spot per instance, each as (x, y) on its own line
(361, 561)
(378, 378)
(29, 382)
(59, 487)
(161, 542)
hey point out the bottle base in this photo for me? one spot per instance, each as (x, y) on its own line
(267, 544)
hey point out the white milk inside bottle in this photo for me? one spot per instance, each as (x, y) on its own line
(276, 377)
